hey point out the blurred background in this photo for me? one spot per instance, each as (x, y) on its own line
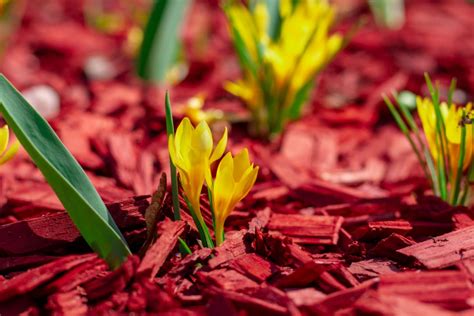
(74, 60)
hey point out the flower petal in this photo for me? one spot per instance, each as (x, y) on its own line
(183, 136)
(11, 151)
(224, 184)
(241, 164)
(202, 139)
(220, 148)
(4, 136)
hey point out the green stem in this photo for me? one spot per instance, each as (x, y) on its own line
(184, 248)
(220, 236)
(201, 226)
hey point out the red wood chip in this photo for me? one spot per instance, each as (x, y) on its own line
(372, 268)
(31, 279)
(160, 250)
(307, 229)
(447, 289)
(112, 282)
(226, 279)
(254, 267)
(444, 250)
(55, 230)
(373, 303)
(70, 303)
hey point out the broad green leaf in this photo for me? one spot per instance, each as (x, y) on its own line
(161, 39)
(64, 175)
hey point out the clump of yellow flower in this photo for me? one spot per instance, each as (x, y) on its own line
(453, 120)
(280, 70)
(192, 151)
(234, 178)
(6, 153)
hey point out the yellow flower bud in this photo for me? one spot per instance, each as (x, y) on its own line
(234, 178)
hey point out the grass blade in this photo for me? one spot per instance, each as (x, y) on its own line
(428, 159)
(173, 173)
(201, 226)
(161, 39)
(404, 128)
(458, 178)
(64, 175)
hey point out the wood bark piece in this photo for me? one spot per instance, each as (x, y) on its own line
(373, 303)
(255, 306)
(447, 289)
(24, 262)
(387, 247)
(254, 267)
(112, 282)
(57, 230)
(307, 229)
(372, 268)
(67, 303)
(31, 279)
(444, 250)
(341, 300)
(382, 229)
(233, 247)
(303, 276)
(77, 276)
(160, 250)
(226, 279)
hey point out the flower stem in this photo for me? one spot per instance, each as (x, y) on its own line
(219, 232)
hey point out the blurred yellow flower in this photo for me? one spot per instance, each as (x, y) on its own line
(6, 153)
(234, 178)
(192, 152)
(193, 109)
(288, 63)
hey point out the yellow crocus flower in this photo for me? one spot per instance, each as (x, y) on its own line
(6, 153)
(192, 152)
(234, 178)
(452, 116)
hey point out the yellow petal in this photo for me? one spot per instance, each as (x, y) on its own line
(4, 136)
(202, 140)
(243, 187)
(453, 130)
(220, 148)
(183, 136)
(241, 164)
(223, 186)
(11, 151)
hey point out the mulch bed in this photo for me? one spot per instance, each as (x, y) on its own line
(339, 222)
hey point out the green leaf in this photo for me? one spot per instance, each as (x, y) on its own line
(64, 175)
(300, 98)
(161, 39)
(458, 178)
(174, 174)
(274, 23)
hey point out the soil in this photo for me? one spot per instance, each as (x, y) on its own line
(340, 222)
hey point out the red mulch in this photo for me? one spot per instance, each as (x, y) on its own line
(339, 222)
